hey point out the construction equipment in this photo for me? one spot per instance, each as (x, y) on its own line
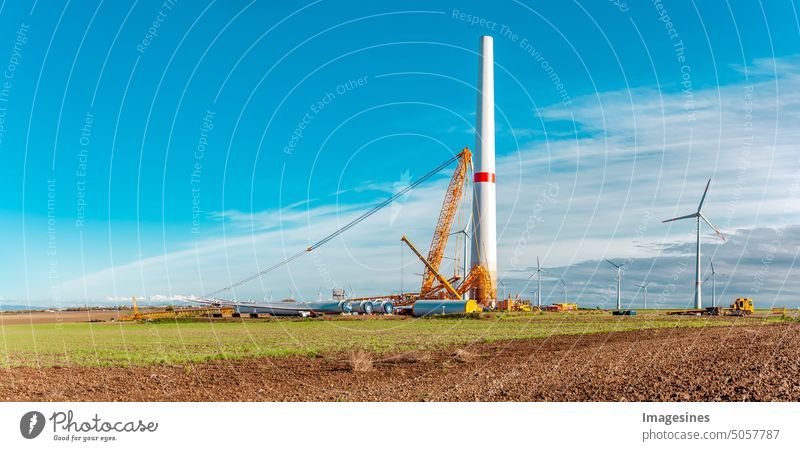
(696, 312)
(173, 313)
(478, 276)
(513, 305)
(429, 267)
(740, 307)
(446, 215)
(339, 231)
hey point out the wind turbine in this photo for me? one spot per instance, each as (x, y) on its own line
(500, 281)
(698, 304)
(538, 275)
(565, 289)
(713, 277)
(619, 278)
(644, 285)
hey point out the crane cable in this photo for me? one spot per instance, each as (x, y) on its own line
(338, 232)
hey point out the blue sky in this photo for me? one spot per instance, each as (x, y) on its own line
(169, 164)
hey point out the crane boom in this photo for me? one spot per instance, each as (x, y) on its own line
(442, 233)
(433, 270)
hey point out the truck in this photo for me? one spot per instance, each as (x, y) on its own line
(740, 307)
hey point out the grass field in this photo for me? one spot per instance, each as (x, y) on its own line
(125, 344)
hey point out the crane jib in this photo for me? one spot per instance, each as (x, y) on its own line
(349, 225)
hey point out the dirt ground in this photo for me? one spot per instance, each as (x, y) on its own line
(14, 318)
(746, 363)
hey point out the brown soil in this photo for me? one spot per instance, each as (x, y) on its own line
(753, 363)
(83, 316)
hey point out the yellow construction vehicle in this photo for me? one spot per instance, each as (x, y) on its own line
(741, 307)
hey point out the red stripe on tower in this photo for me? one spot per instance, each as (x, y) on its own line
(484, 177)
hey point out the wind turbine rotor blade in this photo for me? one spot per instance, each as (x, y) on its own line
(537, 263)
(712, 266)
(712, 226)
(615, 265)
(703, 199)
(706, 279)
(693, 215)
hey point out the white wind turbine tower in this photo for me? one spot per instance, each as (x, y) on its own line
(713, 277)
(619, 278)
(538, 275)
(698, 304)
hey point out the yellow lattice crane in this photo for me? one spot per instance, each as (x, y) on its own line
(449, 207)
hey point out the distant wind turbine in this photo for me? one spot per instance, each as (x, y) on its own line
(619, 278)
(713, 277)
(538, 275)
(565, 289)
(644, 285)
(698, 304)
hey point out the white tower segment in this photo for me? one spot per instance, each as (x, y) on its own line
(484, 210)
